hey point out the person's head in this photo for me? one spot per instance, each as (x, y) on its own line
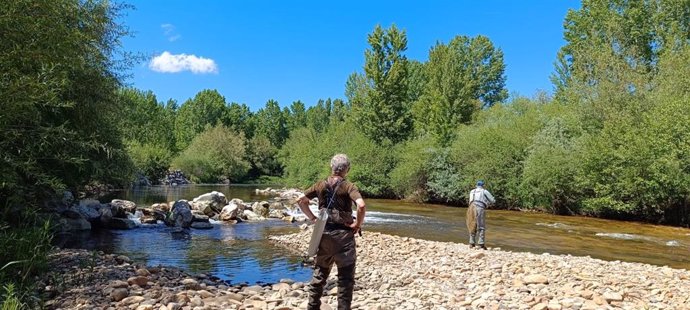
(340, 165)
(480, 183)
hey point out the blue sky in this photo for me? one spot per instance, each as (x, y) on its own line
(253, 51)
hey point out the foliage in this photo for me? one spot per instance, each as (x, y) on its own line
(217, 154)
(151, 160)
(263, 157)
(409, 177)
(271, 123)
(207, 108)
(9, 299)
(383, 112)
(308, 153)
(462, 77)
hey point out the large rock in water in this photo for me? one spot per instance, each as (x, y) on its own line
(261, 208)
(69, 224)
(120, 208)
(180, 214)
(230, 212)
(210, 203)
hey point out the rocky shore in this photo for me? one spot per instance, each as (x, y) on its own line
(392, 273)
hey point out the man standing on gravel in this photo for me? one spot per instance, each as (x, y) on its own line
(480, 199)
(336, 195)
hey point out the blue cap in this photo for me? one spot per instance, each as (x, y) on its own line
(480, 183)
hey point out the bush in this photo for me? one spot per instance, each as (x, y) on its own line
(307, 157)
(409, 177)
(217, 154)
(150, 160)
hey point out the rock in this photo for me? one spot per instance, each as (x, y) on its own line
(121, 207)
(199, 218)
(163, 207)
(535, 279)
(190, 284)
(120, 223)
(210, 203)
(143, 272)
(612, 296)
(119, 284)
(139, 280)
(540, 306)
(69, 224)
(202, 225)
(261, 209)
(132, 300)
(148, 220)
(229, 212)
(180, 215)
(119, 294)
(251, 216)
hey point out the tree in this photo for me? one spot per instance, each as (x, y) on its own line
(207, 108)
(217, 154)
(462, 77)
(297, 116)
(239, 117)
(271, 123)
(318, 116)
(383, 113)
(61, 63)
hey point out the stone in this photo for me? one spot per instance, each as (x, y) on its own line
(119, 294)
(535, 279)
(612, 296)
(140, 281)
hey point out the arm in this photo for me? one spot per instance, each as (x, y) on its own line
(489, 196)
(361, 212)
(303, 203)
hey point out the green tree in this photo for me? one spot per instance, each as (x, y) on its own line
(319, 115)
(383, 113)
(61, 68)
(262, 155)
(271, 123)
(297, 116)
(206, 108)
(217, 154)
(239, 117)
(462, 77)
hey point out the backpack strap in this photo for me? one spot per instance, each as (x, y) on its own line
(332, 194)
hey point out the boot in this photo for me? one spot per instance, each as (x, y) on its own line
(482, 246)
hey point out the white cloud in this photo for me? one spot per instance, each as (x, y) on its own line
(169, 63)
(169, 32)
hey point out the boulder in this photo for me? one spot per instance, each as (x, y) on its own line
(210, 203)
(121, 207)
(88, 209)
(251, 216)
(229, 212)
(147, 219)
(180, 215)
(164, 207)
(261, 208)
(105, 215)
(120, 223)
(69, 224)
(199, 218)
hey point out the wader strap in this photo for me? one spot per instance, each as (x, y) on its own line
(330, 201)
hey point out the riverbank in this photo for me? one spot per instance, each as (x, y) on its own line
(392, 273)
(406, 273)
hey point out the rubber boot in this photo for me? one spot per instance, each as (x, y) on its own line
(346, 286)
(318, 281)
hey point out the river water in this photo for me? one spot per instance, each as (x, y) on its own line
(240, 253)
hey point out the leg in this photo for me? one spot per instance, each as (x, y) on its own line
(346, 285)
(316, 286)
(481, 226)
(471, 221)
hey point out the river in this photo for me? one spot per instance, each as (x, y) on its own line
(240, 253)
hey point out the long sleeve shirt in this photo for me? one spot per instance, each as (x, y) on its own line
(482, 196)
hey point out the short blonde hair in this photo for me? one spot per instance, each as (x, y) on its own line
(340, 164)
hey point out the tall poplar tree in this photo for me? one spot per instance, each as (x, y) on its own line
(383, 114)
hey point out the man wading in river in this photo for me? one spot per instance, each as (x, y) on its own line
(480, 199)
(337, 245)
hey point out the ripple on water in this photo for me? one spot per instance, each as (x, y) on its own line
(623, 236)
(554, 225)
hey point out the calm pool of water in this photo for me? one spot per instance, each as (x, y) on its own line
(240, 253)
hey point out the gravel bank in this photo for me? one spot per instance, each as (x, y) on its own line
(392, 273)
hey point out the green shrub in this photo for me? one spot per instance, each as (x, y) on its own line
(151, 160)
(215, 155)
